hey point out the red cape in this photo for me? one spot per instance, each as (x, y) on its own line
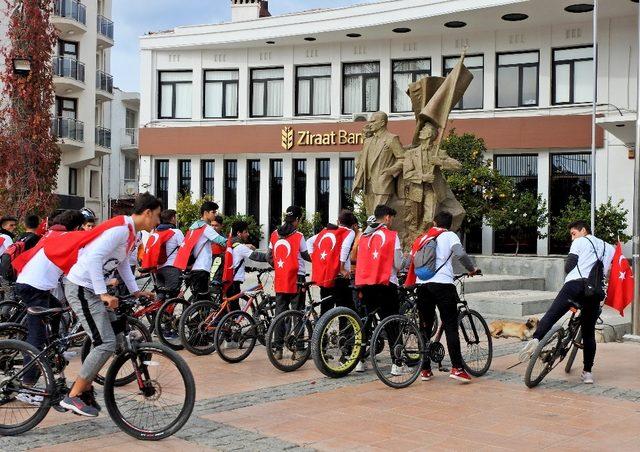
(375, 257)
(184, 252)
(155, 251)
(285, 262)
(325, 260)
(417, 244)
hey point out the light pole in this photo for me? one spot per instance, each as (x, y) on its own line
(636, 209)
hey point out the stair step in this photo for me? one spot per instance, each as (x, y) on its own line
(486, 283)
(511, 303)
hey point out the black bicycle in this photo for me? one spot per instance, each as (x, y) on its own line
(155, 406)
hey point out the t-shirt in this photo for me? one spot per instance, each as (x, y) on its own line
(202, 250)
(241, 253)
(444, 246)
(40, 273)
(6, 243)
(582, 248)
(171, 247)
(302, 264)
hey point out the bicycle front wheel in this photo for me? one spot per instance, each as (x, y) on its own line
(288, 340)
(476, 343)
(161, 399)
(198, 327)
(545, 357)
(573, 352)
(236, 336)
(168, 320)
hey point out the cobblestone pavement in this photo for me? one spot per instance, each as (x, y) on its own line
(252, 406)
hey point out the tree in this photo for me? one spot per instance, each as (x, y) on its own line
(28, 151)
(255, 229)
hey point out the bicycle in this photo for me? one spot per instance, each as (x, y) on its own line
(149, 409)
(167, 318)
(409, 347)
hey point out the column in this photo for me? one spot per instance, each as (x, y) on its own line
(287, 181)
(543, 189)
(334, 187)
(218, 180)
(173, 183)
(265, 177)
(385, 76)
(289, 84)
(311, 187)
(146, 174)
(336, 81)
(241, 191)
(196, 190)
(196, 91)
(243, 88)
(487, 231)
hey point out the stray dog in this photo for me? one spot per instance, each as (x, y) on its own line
(523, 331)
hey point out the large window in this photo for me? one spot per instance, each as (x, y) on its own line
(162, 181)
(73, 181)
(220, 94)
(300, 182)
(253, 189)
(323, 171)
(267, 87)
(347, 175)
(184, 177)
(130, 168)
(406, 72)
(207, 173)
(474, 95)
(94, 184)
(573, 75)
(517, 80)
(230, 186)
(174, 101)
(361, 92)
(313, 90)
(275, 194)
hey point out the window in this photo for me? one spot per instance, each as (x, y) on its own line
(517, 81)
(474, 95)
(68, 49)
(73, 181)
(313, 88)
(347, 175)
(162, 181)
(207, 171)
(323, 169)
(267, 87)
(184, 177)
(253, 189)
(94, 184)
(130, 168)
(66, 108)
(221, 94)
(361, 92)
(572, 75)
(130, 120)
(275, 194)
(174, 101)
(230, 186)
(300, 182)
(406, 72)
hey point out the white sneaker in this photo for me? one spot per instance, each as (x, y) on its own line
(361, 367)
(396, 370)
(528, 349)
(587, 378)
(29, 399)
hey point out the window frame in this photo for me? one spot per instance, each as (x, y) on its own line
(63, 53)
(182, 165)
(446, 71)
(343, 160)
(413, 78)
(272, 182)
(295, 180)
(266, 97)
(364, 76)
(227, 187)
(571, 64)
(73, 182)
(158, 179)
(311, 79)
(520, 67)
(255, 183)
(319, 180)
(236, 82)
(204, 179)
(173, 93)
(60, 107)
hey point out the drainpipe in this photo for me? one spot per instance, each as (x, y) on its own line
(593, 119)
(636, 207)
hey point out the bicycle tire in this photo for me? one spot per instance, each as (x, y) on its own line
(408, 327)
(322, 338)
(41, 412)
(167, 322)
(279, 322)
(552, 336)
(227, 329)
(472, 342)
(147, 350)
(192, 342)
(573, 352)
(15, 331)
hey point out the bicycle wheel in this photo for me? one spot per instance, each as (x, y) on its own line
(574, 351)
(476, 343)
(236, 336)
(266, 310)
(13, 331)
(127, 375)
(288, 340)
(544, 357)
(337, 342)
(160, 400)
(401, 366)
(17, 413)
(168, 321)
(196, 333)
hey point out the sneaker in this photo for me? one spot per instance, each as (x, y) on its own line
(361, 366)
(587, 378)
(30, 399)
(460, 375)
(277, 355)
(89, 397)
(396, 370)
(426, 374)
(528, 349)
(77, 405)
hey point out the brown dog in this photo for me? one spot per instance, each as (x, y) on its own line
(505, 328)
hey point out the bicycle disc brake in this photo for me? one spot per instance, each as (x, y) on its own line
(436, 352)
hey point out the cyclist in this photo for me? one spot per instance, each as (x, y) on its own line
(8, 225)
(32, 235)
(87, 295)
(160, 252)
(440, 291)
(89, 219)
(585, 252)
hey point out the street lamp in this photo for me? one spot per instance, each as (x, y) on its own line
(22, 66)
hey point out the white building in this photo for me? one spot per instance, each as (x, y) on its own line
(258, 112)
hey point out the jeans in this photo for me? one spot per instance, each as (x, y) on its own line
(169, 278)
(234, 289)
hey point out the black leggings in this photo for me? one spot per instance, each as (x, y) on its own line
(341, 293)
(574, 291)
(385, 300)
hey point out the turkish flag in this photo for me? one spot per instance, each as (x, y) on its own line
(155, 251)
(285, 261)
(184, 252)
(325, 261)
(228, 272)
(421, 241)
(375, 257)
(620, 290)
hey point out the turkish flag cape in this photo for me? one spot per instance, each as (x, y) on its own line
(1, 240)
(228, 271)
(325, 260)
(375, 257)
(620, 290)
(184, 252)
(285, 261)
(421, 241)
(155, 251)
(217, 250)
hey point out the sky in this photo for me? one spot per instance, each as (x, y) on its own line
(134, 18)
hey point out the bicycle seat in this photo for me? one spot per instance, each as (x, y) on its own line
(39, 311)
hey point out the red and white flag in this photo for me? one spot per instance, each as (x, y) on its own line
(228, 271)
(620, 290)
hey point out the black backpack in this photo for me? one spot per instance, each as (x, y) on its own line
(594, 283)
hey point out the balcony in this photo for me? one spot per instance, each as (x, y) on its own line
(69, 131)
(104, 86)
(105, 32)
(68, 75)
(103, 140)
(69, 17)
(129, 140)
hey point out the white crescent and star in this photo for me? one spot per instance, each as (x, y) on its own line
(152, 239)
(331, 236)
(284, 243)
(376, 252)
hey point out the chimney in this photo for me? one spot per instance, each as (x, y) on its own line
(249, 9)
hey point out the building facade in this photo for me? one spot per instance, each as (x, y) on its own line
(262, 112)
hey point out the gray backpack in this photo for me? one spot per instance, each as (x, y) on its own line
(424, 261)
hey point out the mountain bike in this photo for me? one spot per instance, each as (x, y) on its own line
(156, 405)
(167, 319)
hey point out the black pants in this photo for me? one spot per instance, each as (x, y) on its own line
(385, 300)
(169, 278)
(284, 302)
(234, 289)
(200, 284)
(341, 295)
(574, 291)
(445, 297)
